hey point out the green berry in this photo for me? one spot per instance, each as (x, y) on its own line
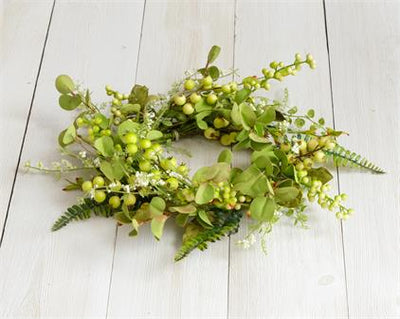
(308, 163)
(188, 109)
(79, 121)
(319, 156)
(144, 166)
(211, 134)
(212, 99)
(129, 199)
(194, 98)
(130, 138)
(172, 183)
(207, 81)
(225, 140)
(220, 122)
(114, 201)
(98, 181)
(312, 144)
(226, 89)
(99, 196)
(145, 143)
(131, 149)
(87, 186)
(179, 100)
(189, 84)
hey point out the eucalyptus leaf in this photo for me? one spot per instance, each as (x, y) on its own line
(204, 217)
(105, 145)
(262, 209)
(69, 102)
(187, 209)
(204, 194)
(248, 116)
(69, 135)
(214, 72)
(213, 54)
(154, 135)
(157, 226)
(157, 206)
(64, 84)
(242, 95)
(321, 174)
(225, 156)
(127, 126)
(251, 181)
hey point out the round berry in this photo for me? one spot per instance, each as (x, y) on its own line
(312, 144)
(189, 84)
(99, 196)
(129, 199)
(98, 181)
(207, 81)
(145, 143)
(87, 186)
(226, 89)
(194, 98)
(319, 156)
(179, 100)
(131, 149)
(188, 109)
(130, 138)
(220, 122)
(225, 140)
(212, 99)
(144, 166)
(114, 201)
(172, 183)
(80, 121)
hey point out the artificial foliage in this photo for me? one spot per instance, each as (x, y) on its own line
(123, 151)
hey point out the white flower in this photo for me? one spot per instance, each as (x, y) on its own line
(142, 179)
(82, 154)
(96, 162)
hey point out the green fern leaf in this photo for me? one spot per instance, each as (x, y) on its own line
(224, 227)
(345, 158)
(81, 212)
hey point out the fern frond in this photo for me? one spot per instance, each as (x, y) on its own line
(81, 212)
(224, 228)
(344, 157)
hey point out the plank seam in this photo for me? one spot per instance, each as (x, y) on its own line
(229, 238)
(116, 227)
(27, 123)
(337, 168)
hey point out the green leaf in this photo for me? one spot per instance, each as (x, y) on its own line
(286, 194)
(204, 217)
(213, 54)
(219, 172)
(311, 113)
(242, 95)
(69, 102)
(262, 209)
(135, 230)
(130, 108)
(105, 145)
(299, 122)
(157, 206)
(69, 135)
(225, 156)
(64, 84)
(248, 116)
(139, 95)
(268, 116)
(127, 126)
(157, 226)
(202, 106)
(187, 209)
(293, 110)
(235, 115)
(251, 182)
(113, 170)
(214, 72)
(122, 218)
(154, 135)
(321, 174)
(259, 139)
(204, 194)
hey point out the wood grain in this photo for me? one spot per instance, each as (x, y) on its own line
(364, 41)
(66, 273)
(146, 282)
(303, 274)
(18, 72)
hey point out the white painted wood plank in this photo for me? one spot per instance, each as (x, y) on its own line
(303, 274)
(146, 283)
(364, 40)
(18, 72)
(67, 274)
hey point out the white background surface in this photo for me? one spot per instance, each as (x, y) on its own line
(93, 270)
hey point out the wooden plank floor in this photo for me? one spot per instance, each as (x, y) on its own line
(94, 270)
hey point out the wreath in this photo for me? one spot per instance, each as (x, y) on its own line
(126, 148)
